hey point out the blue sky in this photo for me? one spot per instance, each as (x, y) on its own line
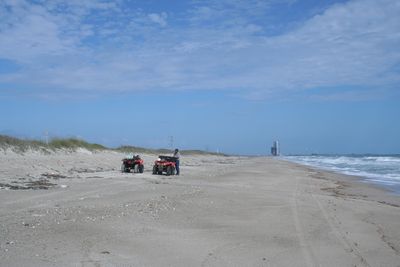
(232, 76)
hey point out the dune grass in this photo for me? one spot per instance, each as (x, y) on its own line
(72, 143)
(138, 150)
(19, 144)
(22, 145)
(200, 152)
(163, 151)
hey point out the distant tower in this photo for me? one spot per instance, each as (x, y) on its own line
(275, 148)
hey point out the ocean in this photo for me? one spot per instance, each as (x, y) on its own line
(382, 170)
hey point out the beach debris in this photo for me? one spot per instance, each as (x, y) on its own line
(390, 204)
(38, 184)
(53, 175)
(87, 170)
(11, 186)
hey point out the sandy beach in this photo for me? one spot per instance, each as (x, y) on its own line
(221, 211)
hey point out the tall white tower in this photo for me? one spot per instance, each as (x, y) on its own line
(275, 148)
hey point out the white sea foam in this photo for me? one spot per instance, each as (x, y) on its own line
(377, 169)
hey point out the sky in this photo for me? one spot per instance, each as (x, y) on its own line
(220, 75)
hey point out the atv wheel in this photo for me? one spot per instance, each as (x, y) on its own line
(155, 169)
(124, 168)
(169, 170)
(141, 167)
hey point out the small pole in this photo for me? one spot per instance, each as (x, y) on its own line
(46, 137)
(171, 142)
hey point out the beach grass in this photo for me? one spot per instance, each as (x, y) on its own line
(72, 143)
(23, 145)
(138, 150)
(19, 144)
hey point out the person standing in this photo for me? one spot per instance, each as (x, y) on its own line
(177, 155)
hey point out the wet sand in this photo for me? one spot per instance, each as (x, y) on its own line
(222, 211)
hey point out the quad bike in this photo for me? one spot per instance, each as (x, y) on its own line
(135, 163)
(165, 164)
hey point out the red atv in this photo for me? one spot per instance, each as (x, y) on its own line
(135, 163)
(165, 164)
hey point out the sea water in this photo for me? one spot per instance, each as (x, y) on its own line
(379, 169)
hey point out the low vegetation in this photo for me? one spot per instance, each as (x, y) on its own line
(200, 152)
(72, 143)
(22, 145)
(138, 150)
(18, 144)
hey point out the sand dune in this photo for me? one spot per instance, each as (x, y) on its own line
(222, 211)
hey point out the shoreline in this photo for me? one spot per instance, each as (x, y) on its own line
(356, 183)
(362, 179)
(221, 211)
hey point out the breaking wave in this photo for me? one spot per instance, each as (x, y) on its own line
(384, 170)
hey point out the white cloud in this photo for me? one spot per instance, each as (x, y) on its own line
(90, 47)
(29, 34)
(160, 19)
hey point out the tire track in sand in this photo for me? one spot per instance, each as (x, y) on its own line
(307, 252)
(347, 244)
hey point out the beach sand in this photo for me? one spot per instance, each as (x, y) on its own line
(222, 211)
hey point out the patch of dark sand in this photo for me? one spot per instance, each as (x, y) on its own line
(39, 184)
